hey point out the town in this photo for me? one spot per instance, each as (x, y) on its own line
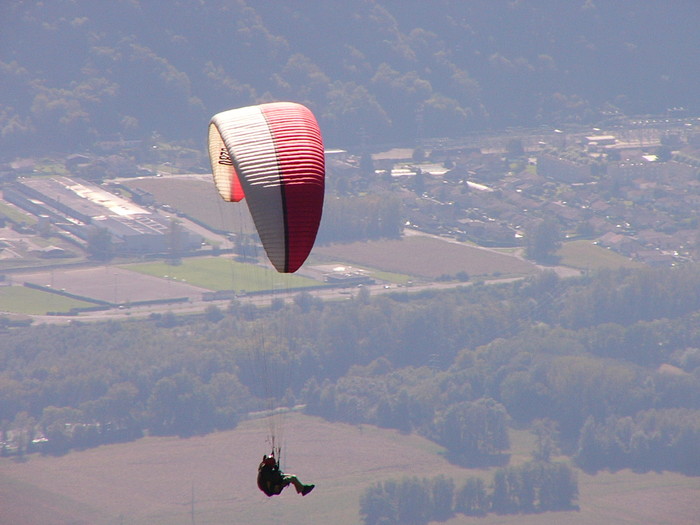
(633, 188)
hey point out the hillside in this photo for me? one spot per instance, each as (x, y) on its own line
(80, 74)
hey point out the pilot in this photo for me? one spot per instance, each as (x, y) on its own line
(271, 480)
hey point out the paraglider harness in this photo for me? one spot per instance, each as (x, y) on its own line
(270, 477)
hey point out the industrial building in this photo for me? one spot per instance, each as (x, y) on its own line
(78, 206)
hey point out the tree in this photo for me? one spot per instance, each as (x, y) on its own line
(167, 320)
(179, 405)
(564, 488)
(546, 439)
(472, 498)
(100, 245)
(542, 241)
(588, 456)
(366, 163)
(175, 241)
(418, 184)
(664, 153)
(213, 313)
(413, 502)
(534, 486)
(514, 148)
(116, 405)
(56, 423)
(502, 497)
(378, 505)
(585, 229)
(524, 396)
(24, 429)
(442, 497)
(307, 302)
(473, 432)
(418, 154)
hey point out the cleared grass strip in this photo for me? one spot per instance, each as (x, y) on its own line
(222, 273)
(22, 300)
(588, 256)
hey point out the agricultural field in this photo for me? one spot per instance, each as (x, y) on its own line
(111, 284)
(428, 257)
(585, 255)
(137, 282)
(211, 480)
(415, 256)
(196, 196)
(391, 261)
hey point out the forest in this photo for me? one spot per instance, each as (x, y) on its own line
(605, 367)
(78, 73)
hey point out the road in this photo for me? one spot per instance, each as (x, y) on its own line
(199, 306)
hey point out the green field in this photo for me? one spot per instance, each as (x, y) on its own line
(23, 300)
(222, 273)
(396, 278)
(211, 480)
(585, 255)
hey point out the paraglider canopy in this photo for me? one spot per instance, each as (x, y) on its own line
(272, 155)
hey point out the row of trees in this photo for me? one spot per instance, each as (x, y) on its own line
(535, 486)
(456, 366)
(177, 405)
(651, 440)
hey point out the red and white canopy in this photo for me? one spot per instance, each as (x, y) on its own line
(272, 155)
